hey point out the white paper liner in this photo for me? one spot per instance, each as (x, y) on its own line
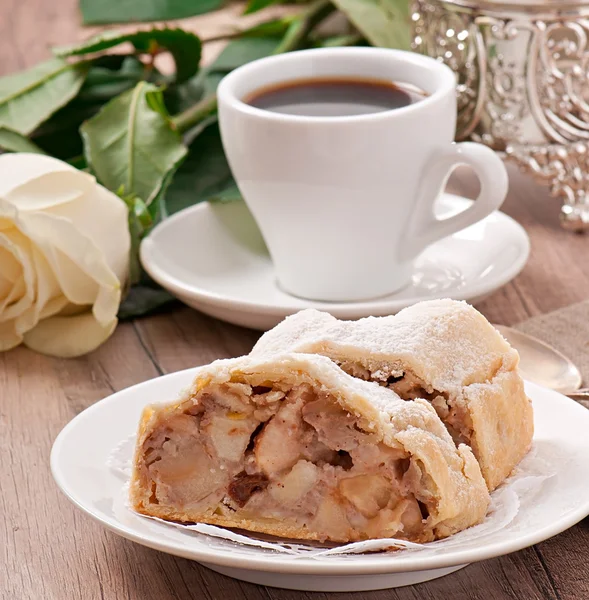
(521, 488)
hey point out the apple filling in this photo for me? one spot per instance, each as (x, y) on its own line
(294, 456)
(409, 386)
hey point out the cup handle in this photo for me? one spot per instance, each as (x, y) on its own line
(424, 227)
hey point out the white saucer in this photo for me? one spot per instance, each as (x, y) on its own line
(561, 446)
(213, 258)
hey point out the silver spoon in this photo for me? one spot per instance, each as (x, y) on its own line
(543, 364)
(582, 394)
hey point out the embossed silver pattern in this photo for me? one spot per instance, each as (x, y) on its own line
(522, 83)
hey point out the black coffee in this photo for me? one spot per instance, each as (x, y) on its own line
(334, 97)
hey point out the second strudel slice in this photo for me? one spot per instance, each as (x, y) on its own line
(444, 351)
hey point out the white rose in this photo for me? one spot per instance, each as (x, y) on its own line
(64, 256)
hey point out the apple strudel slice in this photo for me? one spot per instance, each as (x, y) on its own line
(294, 447)
(444, 351)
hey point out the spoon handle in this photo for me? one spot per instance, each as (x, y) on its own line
(580, 393)
(581, 396)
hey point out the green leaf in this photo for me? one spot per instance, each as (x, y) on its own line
(143, 300)
(155, 101)
(385, 23)
(123, 11)
(129, 144)
(79, 162)
(136, 231)
(139, 222)
(30, 97)
(273, 28)
(141, 213)
(12, 141)
(184, 46)
(243, 50)
(255, 5)
(157, 209)
(204, 174)
(105, 81)
(338, 41)
(195, 131)
(108, 77)
(180, 97)
(230, 194)
(211, 82)
(60, 136)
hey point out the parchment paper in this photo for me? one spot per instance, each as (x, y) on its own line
(506, 501)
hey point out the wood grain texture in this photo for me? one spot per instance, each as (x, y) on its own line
(50, 551)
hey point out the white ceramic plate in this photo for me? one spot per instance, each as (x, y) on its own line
(79, 466)
(213, 258)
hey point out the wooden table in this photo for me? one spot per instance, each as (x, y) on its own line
(51, 551)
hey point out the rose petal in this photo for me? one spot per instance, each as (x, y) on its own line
(78, 264)
(22, 293)
(67, 337)
(15, 301)
(50, 298)
(103, 217)
(9, 337)
(53, 306)
(36, 182)
(11, 272)
(5, 223)
(36, 294)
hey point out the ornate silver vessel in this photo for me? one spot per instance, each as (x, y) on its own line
(523, 84)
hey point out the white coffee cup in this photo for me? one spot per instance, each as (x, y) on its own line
(346, 203)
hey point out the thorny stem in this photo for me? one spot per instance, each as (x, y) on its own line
(293, 39)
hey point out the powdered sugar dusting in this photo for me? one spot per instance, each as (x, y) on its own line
(446, 342)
